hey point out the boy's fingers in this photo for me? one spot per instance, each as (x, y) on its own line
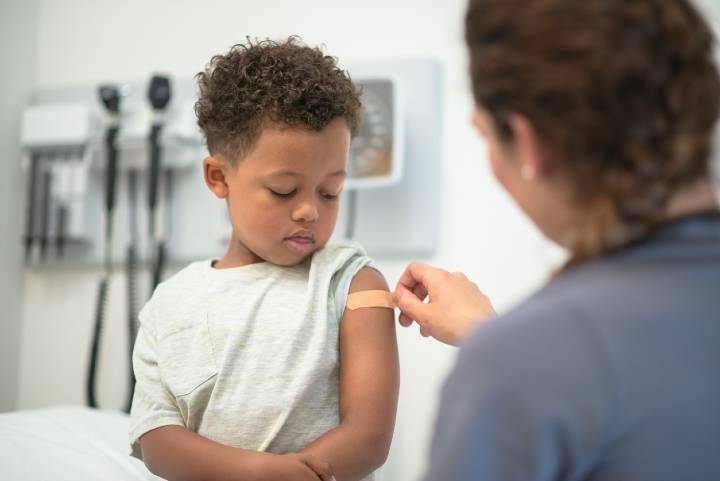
(321, 468)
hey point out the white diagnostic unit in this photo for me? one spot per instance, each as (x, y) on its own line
(391, 202)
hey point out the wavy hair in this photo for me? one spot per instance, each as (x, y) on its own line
(624, 94)
(285, 83)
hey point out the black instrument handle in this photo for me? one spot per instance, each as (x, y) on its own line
(112, 167)
(45, 213)
(61, 227)
(31, 204)
(154, 174)
(159, 265)
(131, 275)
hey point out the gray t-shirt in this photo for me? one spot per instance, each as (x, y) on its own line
(610, 373)
(245, 356)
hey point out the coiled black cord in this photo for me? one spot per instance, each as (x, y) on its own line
(100, 306)
(131, 274)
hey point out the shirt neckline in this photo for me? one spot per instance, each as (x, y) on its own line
(239, 271)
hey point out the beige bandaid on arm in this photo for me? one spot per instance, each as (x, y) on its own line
(360, 299)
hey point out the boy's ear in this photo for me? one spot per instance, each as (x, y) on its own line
(215, 171)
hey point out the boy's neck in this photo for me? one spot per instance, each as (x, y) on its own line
(237, 255)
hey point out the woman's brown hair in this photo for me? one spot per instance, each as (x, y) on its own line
(623, 93)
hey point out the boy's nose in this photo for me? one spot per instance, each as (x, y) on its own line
(305, 212)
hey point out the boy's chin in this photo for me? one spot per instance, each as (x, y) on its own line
(290, 259)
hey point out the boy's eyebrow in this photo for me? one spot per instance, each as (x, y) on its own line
(290, 173)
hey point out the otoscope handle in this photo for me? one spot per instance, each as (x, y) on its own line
(131, 279)
(45, 213)
(31, 204)
(154, 174)
(61, 228)
(159, 266)
(112, 167)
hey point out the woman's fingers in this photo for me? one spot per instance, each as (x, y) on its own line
(418, 273)
(455, 305)
(404, 320)
(414, 279)
(421, 293)
(411, 308)
(412, 289)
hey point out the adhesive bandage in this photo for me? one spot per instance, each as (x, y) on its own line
(357, 300)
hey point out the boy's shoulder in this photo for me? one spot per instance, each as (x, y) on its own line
(338, 259)
(337, 264)
(191, 275)
(339, 252)
(180, 290)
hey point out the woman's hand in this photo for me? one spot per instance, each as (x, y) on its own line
(454, 306)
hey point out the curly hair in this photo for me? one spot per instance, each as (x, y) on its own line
(623, 93)
(285, 83)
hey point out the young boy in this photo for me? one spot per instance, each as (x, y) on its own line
(250, 367)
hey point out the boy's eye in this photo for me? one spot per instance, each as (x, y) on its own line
(283, 195)
(329, 196)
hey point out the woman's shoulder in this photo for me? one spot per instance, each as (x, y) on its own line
(545, 322)
(547, 337)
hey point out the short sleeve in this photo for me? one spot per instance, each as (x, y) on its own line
(529, 398)
(153, 405)
(342, 279)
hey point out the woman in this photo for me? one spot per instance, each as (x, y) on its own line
(599, 117)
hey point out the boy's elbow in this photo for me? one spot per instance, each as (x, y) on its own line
(149, 458)
(378, 444)
(155, 455)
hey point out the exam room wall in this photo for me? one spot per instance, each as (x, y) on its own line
(483, 234)
(18, 31)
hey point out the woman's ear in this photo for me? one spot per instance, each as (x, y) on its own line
(528, 148)
(215, 171)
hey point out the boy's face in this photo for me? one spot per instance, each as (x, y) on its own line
(283, 195)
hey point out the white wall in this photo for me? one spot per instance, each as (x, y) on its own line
(18, 32)
(483, 234)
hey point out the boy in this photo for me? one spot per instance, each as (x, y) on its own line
(249, 367)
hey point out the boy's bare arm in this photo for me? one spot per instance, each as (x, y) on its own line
(369, 383)
(178, 454)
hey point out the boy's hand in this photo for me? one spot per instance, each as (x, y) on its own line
(300, 467)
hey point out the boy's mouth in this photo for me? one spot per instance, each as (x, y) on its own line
(301, 242)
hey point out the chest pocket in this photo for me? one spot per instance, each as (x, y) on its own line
(186, 356)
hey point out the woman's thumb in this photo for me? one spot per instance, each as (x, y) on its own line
(408, 303)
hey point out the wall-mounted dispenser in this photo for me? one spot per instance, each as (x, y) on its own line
(72, 124)
(56, 139)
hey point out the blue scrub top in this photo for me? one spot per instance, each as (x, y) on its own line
(612, 372)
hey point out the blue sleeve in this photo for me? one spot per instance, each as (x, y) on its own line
(528, 400)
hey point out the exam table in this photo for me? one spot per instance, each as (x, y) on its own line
(68, 443)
